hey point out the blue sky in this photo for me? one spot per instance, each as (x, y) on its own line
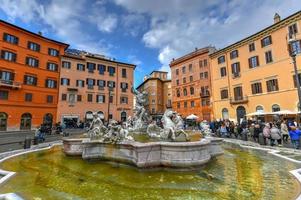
(146, 33)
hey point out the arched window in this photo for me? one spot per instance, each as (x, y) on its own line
(259, 109)
(3, 121)
(101, 115)
(275, 108)
(225, 113)
(89, 116)
(48, 119)
(185, 92)
(26, 121)
(178, 93)
(191, 91)
(123, 116)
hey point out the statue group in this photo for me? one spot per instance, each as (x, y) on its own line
(141, 122)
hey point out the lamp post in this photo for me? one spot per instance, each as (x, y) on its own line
(110, 90)
(293, 51)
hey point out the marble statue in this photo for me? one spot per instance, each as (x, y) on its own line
(141, 118)
(97, 128)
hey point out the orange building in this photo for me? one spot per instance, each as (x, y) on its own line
(159, 92)
(191, 84)
(29, 73)
(93, 83)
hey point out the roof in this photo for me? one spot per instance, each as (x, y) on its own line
(151, 78)
(192, 54)
(266, 30)
(35, 34)
(114, 61)
(159, 71)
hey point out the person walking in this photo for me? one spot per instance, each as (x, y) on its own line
(266, 133)
(295, 136)
(275, 135)
(284, 131)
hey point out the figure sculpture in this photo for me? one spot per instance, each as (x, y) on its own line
(97, 128)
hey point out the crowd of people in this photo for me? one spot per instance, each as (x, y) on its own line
(271, 133)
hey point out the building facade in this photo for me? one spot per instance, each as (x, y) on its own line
(29, 73)
(92, 83)
(191, 84)
(159, 92)
(256, 73)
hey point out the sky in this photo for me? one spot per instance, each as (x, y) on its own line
(148, 33)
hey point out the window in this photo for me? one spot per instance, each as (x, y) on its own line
(178, 93)
(272, 85)
(123, 73)
(64, 97)
(111, 98)
(10, 38)
(101, 69)
(268, 57)
(200, 63)
(224, 94)
(178, 82)
(30, 80)
(191, 90)
(123, 100)
(111, 70)
(90, 97)
(49, 99)
(66, 64)
(101, 84)
(177, 71)
(111, 84)
(153, 101)
(32, 62)
(252, 47)
(221, 59)
(25, 121)
(3, 121)
(223, 71)
(49, 83)
(28, 97)
(124, 87)
(256, 88)
(53, 52)
(253, 62)
(259, 109)
(201, 75)
(292, 29)
(91, 67)
(3, 95)
(100, 98)
(79, 98)
(205, 63)
(190, 78)
(275, 108)
(205, 75)
(184, 80)
(185, 92)
(90, 82)
(80, 67)
(80, 83)
(33, 46)
(294, 78)
(206, 102)
(65, 81)
(185, 104)
(7, 76)
(52, 66)
(191, 104)
(178, 105)
(295, 47)
(233, 54)
(205, 91)
(190, 67)
(9, 56)
(184, 70)
(266, 41)
(238, 94)
(235, 69)
(225, 113)
(71, 98)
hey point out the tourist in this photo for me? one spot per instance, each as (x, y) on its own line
(284, 131)
(252, 130)
(257, 131)
(275, 135)
(223, 130)
(266, 133)
(295, 136)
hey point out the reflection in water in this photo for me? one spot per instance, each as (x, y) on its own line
(235, 175)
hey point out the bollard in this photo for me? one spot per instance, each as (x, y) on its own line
(261, 139)
(27, 143)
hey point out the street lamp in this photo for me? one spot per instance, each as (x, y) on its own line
(110, 91)
(293, 45)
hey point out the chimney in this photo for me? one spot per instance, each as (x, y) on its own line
(276, 18)
(196, 48)
(40, 33)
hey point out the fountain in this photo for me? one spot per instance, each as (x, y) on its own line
(172, 146)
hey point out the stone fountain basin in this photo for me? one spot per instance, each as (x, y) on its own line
(147, 155)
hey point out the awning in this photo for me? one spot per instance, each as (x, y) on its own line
(284, 112)
(257, 113)
(192, 116)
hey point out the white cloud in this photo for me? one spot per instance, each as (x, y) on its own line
(134, 24)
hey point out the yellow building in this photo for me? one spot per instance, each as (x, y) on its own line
(256, 73)
(159, 91)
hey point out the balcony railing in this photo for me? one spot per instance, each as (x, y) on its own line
(239, 100)
(205, 94)
(236, 75)
(10, 84)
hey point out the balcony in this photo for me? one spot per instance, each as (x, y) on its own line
(205, 94)
(10, 84)
(236, 75)
(239, 100)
